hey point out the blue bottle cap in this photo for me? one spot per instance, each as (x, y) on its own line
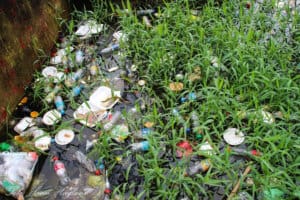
(192, 96)
(188, 130)
(76, 90)
(145, 131)
(183, 99)
(145, 145)
(101, 166)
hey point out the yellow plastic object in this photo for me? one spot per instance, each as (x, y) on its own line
(34, 114)
(23, 101)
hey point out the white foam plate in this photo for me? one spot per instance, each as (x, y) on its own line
(64, 136)
(104, 98)
(49, 72)
(88, 107)
(233, 136)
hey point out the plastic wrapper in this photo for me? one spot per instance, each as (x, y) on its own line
(16, 171)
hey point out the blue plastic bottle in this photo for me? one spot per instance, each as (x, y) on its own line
(60, 105)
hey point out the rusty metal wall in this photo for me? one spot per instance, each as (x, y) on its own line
(26, 27)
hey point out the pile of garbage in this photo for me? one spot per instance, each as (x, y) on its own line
(89, 93)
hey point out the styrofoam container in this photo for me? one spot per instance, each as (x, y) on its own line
(104, 98)
(49, 72)
(87, 108)
(64, 137)
(233, 136)
(89, 28)
(24, 124)
(51, 117)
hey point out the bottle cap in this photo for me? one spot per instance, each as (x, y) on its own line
(199, 136)
(185, 149)
(34, 114)
(176, 86)
(141, 82)
(233, 136)
(145, 145)
(148, 124)
(98, 172)
(24, 100)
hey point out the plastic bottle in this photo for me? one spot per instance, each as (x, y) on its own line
(178, 116)
(49, 98)
(145, 12)
(110, 49)
(107, 190)
(196, 124)
(146, 21)
(77, 75)
(100, 167)
(140, 146)
(190, 97)
(79, 57)
(200, 166)
(245, 152)
(60, 105)
(143, 133)
(115, 117)
(85, 161)
(76, 90)
(61, 171)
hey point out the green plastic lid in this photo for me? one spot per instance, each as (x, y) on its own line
(273, 194)
(199, 136)
(4, 146)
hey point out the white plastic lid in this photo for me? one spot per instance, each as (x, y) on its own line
(233, 136)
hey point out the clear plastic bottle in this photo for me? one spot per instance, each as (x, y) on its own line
(110, 49)
(60, 105)
(49, 98)
(200, 166)
(190, 97)
(178, 116)
(107, 190)
(61, 171)
(76, 90)
(140, 146)
(143, 133)
(79, 57)
(77, 75)
(115, 117)
(85, 161)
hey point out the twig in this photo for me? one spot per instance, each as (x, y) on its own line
(237, 185)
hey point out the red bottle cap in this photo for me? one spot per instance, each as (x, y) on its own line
(107, 191)
(98, 172)
(255, 152)
(55, 158)
(185, 149)
(33, 155)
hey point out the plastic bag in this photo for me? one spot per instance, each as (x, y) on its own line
(16, 171)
